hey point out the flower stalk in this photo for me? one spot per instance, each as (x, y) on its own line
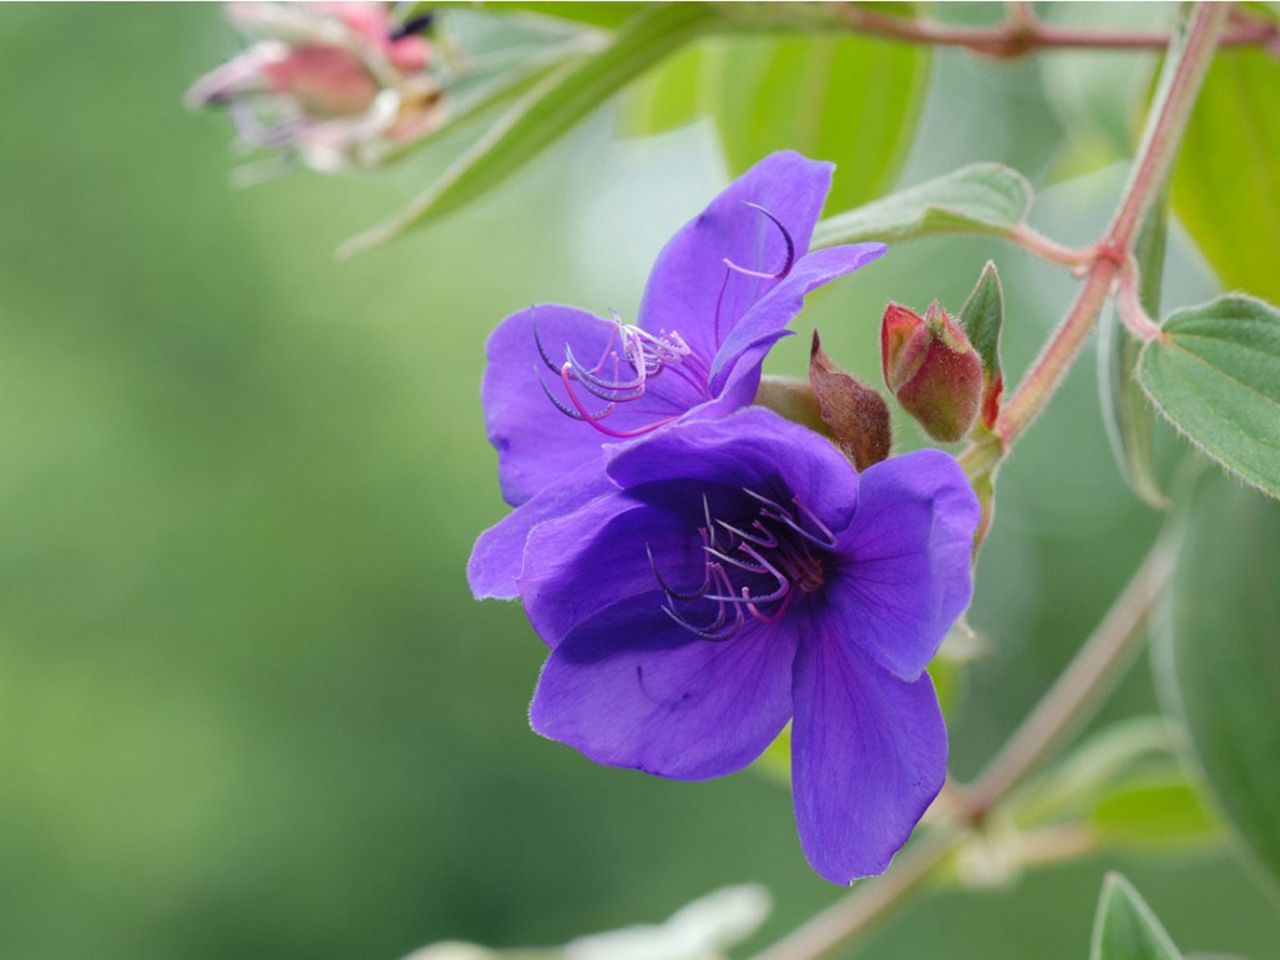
(1022, 33)
(1110, 256)
(1107, 265)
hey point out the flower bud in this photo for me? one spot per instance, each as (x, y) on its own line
(327, 82)
(932, 369)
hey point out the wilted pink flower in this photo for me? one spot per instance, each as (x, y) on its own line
(327, 81)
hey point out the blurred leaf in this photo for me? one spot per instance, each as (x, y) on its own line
(540, 117)
(1094, 94)
(700, 930)
(1218, 656)
(476, 104)
(1074, 786)
(775, 762)
(1215, 374)
(851, 100)
(1125, 928)
(608, 15)
(981, 318)
(670, 95)
(1157, 807)
(1126, 412)
(985, 198)
(1226, 183)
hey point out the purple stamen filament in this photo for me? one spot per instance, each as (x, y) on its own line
(756, 573)
(633, 356)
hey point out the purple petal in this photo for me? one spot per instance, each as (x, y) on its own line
(687, 279)
(537, 444)
(631, 689)
(907, 574)
(498, 556)
(753, 448)
(580, 563)
(750, 340)
(868, 755)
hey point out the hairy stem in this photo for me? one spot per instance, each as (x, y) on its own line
(1097, 666)
(870, 902)
(1164, 130)
(1023, 33)
(1071, 701)
(1079, 690)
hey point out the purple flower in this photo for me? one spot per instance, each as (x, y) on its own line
(737, 574)
(561, 383)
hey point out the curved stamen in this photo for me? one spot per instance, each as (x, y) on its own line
(783, 584)
(542, 351)
(824, 538)
(555, 401)
(768, 540)
(595, 418)
(714, 634)
(670, 591)
(791, 250)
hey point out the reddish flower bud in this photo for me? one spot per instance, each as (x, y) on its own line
(332, 83)
(932, 369)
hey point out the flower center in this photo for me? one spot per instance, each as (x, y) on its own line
(633, 357)
(751, 569)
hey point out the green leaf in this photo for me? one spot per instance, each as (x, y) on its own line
(1215, 374)
(1126, 412)
(847, 99)
(775, 762)
(540, 117)
(608, 15)
(981, 318)
(987, 198)
(1158, 807)
(1125, 928)
(1226, 183)
(1071, 788)
(673, 94)
(1218, 654)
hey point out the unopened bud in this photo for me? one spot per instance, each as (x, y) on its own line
(932, 369)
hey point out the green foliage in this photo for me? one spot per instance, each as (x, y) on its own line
(981, 318)
(1159, 808)
(1226, 185)
(1126, 785)
(1126, 412)
(985, 198)
(846, 99)
(541, 116)
(1215, 374)
(1124, 927)
(1219, 654)
(670, 95)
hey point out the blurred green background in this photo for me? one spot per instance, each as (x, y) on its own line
(248, 708)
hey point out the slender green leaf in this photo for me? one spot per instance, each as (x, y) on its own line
(1218, 654)
(847, 99)
(981, 317)
(985, 198)
(1124, 927)
(1126, 412)
(540, 117)
(1159, 807)
(1215, 374)
(1226, 184)
(1072, 787)
(672, 94)
(608, 15)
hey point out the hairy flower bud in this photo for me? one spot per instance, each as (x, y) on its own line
(327, 82)
(932, 369)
